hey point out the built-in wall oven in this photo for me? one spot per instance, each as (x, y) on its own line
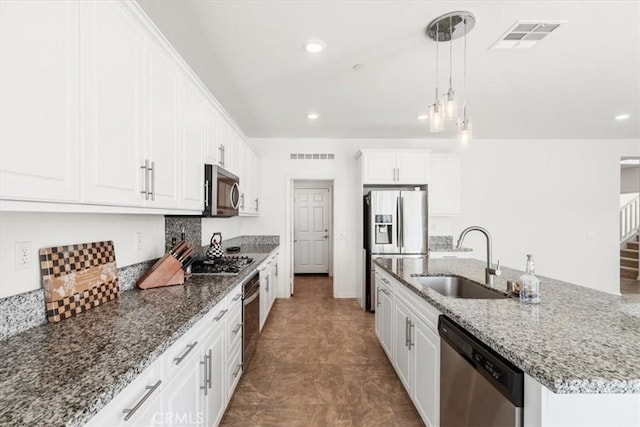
(250, 317)
(221, 192)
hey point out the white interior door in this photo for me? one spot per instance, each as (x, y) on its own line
(311, 230)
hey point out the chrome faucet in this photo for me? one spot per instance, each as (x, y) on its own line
(489, 273)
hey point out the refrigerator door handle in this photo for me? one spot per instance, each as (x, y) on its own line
(400, 221)
(401, 226)
(397, 224)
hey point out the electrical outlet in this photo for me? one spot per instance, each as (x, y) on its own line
(23, 255)
(138, 243)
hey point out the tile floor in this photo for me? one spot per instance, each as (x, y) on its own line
(318, 363)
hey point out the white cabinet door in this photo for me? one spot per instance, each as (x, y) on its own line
(39, 118)
(243, 172)
(444, 185)
(413, 167)
(254, 184)
(403, 353)
(161, 126)
(184, 393)
(192, 170)
(111, 87)
(265, 293)
(212, 136)
(379, 168)
(225, 146)
(426, 372)
(215, 400)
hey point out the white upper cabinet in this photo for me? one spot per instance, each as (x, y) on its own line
(444, 185)
(98, 111)
(39, 145)
(395, 167)
(212, 134)
(192, 170)
(111, 77)
(161, 138)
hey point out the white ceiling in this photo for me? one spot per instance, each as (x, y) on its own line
(249, 54)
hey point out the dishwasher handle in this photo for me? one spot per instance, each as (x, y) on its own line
(504, 375)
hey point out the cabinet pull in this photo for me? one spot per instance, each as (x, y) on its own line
(237, 371)
(145, 169)
(276, 266)
(257, 200)
(411, 325)
(267, 287)
(206, 372)
(377, 297)
(221, 149)
(150, 389)
(206, 193)
(152, 169)
(221, 315)
(178, 360)
(237, 328)
(237, 297)
(210, 370)
(242, 201)
(406, 332)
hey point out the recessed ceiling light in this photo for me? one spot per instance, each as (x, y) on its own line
(312, 116)
(621, 117)
(422, 116)
(314, 46)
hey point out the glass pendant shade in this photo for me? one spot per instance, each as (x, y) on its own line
(450, 106)
(436, 117)
(464, 130)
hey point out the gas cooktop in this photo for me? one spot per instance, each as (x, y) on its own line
(224, 266)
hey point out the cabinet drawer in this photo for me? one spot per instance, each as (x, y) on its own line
(234, 370)
(234, 326)
(143, 395)
(428, 313)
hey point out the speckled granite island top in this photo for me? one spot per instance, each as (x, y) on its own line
(577, 340)
(44, 383)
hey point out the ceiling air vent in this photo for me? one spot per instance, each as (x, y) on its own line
(311, 156)
(525, 34)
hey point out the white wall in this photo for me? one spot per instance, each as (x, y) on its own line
(630, 180)
(54, 229)
(557, 199)
(229, 227)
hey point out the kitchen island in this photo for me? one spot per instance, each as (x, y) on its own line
(65, 373)
(579, 348)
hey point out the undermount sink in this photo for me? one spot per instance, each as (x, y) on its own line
(457, 287)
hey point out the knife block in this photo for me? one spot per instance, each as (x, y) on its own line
(167, 271)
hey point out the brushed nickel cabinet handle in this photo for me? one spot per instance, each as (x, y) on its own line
(411, 343)
(406, 332)
(178, 360)
(145, 169)
(206, 193)
(221, 315)
(210, 370)
(237, 328)
(152, 169)
(378, 297)
(150, 389)
(205, 365)
(237, 297)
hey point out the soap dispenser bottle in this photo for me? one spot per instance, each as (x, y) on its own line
(529, 284)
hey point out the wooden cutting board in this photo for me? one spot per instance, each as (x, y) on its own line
(78, 277)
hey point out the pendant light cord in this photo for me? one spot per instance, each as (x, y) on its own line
(450, 53)
(437, 56)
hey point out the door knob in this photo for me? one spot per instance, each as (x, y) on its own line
(325, 237)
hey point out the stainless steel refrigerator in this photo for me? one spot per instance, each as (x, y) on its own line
(395, 223)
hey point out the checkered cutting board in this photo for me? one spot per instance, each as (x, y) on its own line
(76, 278)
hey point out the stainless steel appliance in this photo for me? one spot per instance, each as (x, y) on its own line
(395, 223)
(221, 192)
(223, 266)
(250, 317)
(478, 387)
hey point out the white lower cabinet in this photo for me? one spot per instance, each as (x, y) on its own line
(268, 286)
(413, 346)
(192, 381)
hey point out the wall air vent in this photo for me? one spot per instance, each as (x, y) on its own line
(525, 34)
(311, 156)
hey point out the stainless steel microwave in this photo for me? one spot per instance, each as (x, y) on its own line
(221, 192)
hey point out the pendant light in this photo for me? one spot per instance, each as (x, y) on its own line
(464, 123)
(454, 25)
(436, 113)
(450, 106)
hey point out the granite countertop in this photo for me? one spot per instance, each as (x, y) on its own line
(577, 340)
(64, 373)
(449, 249)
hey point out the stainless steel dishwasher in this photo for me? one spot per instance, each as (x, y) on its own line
(478, 387)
